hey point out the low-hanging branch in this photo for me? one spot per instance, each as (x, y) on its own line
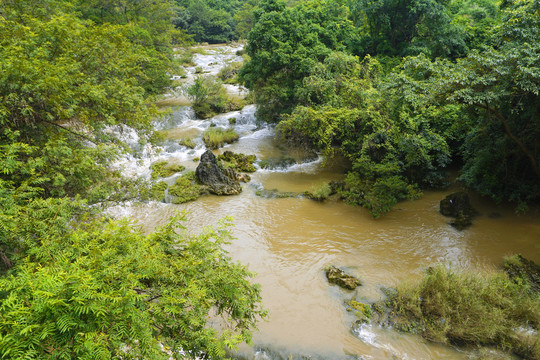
(500, 116)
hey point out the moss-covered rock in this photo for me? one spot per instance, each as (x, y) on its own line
(157, 191)
(210, 174)
(338, 277)
(165, 169)
(185, 189)
(361, 310)
(189, 143)
(275, 194)
(239, 162)
(458, 205)
(277, 163)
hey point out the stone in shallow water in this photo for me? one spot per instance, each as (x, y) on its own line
(338, 277)
(458, 205)
(209, 173)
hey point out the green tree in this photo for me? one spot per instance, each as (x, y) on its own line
(501, 87)
(284, 46)
(102, 289)
(392, 145)
(398, 28)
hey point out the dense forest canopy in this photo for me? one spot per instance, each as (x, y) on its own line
(404, 89)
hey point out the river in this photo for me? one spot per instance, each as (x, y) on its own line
(288, 242)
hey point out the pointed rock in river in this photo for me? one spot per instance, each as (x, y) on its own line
(209, 173)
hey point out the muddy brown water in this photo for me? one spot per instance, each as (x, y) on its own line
(288, 242)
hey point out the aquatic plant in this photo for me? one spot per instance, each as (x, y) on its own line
(320, 193)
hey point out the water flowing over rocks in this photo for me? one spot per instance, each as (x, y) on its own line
(338, 277)
(209, 174)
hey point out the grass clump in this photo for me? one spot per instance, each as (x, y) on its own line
(523, 271)
(468, 308)
(319, 194)
(216, 137)
(185, 189)
(189, 143)
(165, 169)
(239, 162)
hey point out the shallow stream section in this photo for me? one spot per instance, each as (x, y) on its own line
(288, 242)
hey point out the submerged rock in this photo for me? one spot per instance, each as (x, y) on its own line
(458, 205)
(338, 277)
(209, 174)
(277, 163)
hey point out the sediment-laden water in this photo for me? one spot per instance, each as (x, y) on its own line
(289, 241)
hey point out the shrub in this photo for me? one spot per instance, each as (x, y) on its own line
(216, 137)
(185, 57)
(208, 97)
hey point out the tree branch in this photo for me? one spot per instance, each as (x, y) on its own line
(527, 153)
(69, 130)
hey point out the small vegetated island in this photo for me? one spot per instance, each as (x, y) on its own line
(403, 90)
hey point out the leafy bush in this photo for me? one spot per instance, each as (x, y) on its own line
(216, 137)
(208, 96)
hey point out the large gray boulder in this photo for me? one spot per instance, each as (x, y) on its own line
(209, 174)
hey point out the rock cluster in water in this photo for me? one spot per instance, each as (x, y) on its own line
(209, 174)
(458, 206)
(338, 277)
